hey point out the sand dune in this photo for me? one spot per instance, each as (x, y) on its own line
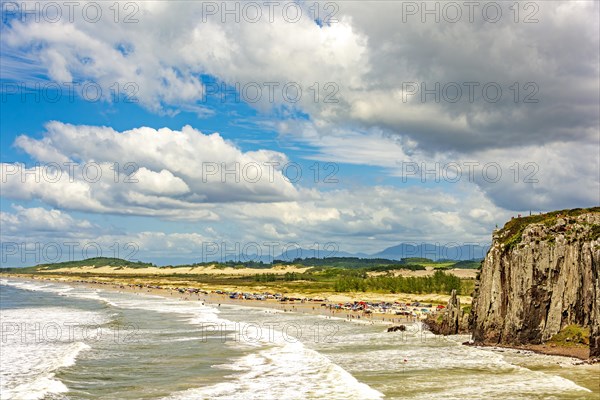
(211, 270)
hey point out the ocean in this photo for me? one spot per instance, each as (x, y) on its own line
(71, 342)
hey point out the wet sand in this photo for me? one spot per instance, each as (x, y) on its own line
(307, 307)
(215, 299)
(580, 352)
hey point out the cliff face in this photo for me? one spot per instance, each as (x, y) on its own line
(451, 321)
(540, 275)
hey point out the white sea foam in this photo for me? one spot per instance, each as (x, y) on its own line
(193, 312)
(284, 371)
(38, 286)
(56, 288)
(460, 368)
(35, 343)
(280, 366)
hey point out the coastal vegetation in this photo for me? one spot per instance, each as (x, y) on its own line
(512, 232)
(367, 264)
(96, 262)
(520, 302)
(440, 282)
(572, 335)
(335, 274)
(467, 264)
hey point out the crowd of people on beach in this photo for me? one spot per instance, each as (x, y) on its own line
(391, 312)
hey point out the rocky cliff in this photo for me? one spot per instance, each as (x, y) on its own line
(451, 321)
(540, 275)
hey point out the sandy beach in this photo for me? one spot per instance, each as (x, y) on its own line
(192, 277)
(211, 270)
(321, 307)
(121, 340)
(230, 271)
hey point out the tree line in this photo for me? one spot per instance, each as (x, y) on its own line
(439, 282)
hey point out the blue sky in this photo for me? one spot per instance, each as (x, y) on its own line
(357, 127)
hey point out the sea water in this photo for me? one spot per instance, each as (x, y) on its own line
(65, 342)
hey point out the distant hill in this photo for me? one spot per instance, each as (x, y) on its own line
(295, 253)
(374, 264)
(96, 262)
(405, 253)
(434, 252)
(467, 264)
(368, 264)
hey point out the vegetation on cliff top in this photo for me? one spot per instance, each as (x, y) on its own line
(512, 232)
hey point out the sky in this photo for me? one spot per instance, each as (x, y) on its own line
(173, 132)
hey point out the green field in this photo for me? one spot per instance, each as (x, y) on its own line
(323, 275)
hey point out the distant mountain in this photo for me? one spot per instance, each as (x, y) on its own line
(397, 253)
(403, 250)
(433, 252)
(292, 254)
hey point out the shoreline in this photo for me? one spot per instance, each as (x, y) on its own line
(580, 353)
(215, 299)
(307, 308)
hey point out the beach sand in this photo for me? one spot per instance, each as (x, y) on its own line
(231, 271)
(124, 283)
(210, 270)
(158, 276)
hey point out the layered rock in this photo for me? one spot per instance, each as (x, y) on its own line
(595, 324)
(540, 275)
(452, 320)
